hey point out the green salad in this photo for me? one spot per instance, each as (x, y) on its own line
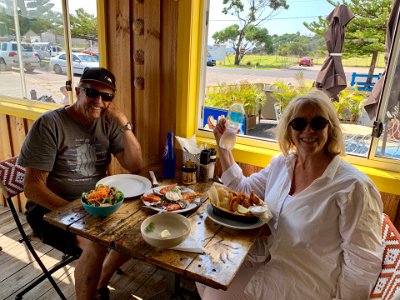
(102, 195)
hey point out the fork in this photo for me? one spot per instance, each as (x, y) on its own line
(153, 179)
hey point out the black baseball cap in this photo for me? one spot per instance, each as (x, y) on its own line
(101, 75)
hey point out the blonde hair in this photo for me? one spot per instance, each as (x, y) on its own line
(324, 106)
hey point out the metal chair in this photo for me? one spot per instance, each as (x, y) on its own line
(12, 183)
(388, 283)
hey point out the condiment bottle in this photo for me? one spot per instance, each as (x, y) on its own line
(213, 158)
(189, 172)
(168, 169)
(204, 165)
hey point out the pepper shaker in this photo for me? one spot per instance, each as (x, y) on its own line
(204, 165)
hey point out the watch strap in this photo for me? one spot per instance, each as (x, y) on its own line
(127, 126)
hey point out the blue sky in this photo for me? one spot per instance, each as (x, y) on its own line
(285, 21)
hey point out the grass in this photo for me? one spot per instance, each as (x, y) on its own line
(282, 62)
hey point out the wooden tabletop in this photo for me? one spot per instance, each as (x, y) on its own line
(225, 249)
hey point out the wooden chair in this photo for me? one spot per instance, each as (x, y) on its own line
(388, 284)
(12, 183)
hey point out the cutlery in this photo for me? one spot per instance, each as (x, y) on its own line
(153, 179)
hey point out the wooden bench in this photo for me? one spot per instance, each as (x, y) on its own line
(361, 85)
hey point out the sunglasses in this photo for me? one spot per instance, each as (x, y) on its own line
(93, 93)
(317, 123)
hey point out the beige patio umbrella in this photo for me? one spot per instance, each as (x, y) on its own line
(331, 77)
(371, 104)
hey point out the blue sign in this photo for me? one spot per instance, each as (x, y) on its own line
(211, 116)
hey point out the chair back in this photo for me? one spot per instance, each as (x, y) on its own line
(388, 284)
(11, 177)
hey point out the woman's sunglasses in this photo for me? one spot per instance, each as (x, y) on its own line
(93, 93)
(317, 123)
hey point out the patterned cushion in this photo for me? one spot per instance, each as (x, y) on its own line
(389, 280)
(12, 177)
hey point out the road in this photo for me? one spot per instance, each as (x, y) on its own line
(219, 75)
(46, 82)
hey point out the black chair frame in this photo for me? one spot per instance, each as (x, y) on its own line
(47, 273)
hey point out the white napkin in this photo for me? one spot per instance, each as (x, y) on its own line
(189, 144)
(189, 245)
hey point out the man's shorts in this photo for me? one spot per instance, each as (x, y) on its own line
(62, 240)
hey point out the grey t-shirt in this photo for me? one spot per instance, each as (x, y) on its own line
(75, 156)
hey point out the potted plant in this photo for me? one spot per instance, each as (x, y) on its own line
(250, 95)
(283, 93)
(350, 105)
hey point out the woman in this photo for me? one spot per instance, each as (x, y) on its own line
(325, 238)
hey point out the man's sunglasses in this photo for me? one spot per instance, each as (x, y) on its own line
(93, 93)
(317, 123)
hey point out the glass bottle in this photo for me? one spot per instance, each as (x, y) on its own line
(234, 120)
(168, 169)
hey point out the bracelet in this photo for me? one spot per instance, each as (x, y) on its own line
(127, 126)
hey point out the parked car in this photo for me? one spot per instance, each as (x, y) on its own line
(92, 51)
(79, 62)
(306, 61)
(9, 55)
(211, 62)
(47, 50)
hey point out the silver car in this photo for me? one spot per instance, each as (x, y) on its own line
(9, 55)
(79, 62)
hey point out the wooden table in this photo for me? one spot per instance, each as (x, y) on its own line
(225, 249)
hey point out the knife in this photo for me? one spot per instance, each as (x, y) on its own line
(153, 179)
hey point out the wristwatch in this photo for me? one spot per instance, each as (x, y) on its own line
(127, 126)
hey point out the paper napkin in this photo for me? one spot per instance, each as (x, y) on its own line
(189, 144)
(190, 245)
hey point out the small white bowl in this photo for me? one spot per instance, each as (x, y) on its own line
(258, 210)
(176, 225)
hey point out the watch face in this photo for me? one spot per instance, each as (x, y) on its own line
(129, 126)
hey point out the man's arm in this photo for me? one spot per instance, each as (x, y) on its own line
(131, 158)
(36, 190)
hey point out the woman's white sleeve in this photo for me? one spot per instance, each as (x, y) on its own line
(360, 224)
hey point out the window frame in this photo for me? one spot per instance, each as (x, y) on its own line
(31, 110)
(191, 32)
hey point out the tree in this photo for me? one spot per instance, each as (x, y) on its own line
(83, 25)
(251, 14)
(366, 33)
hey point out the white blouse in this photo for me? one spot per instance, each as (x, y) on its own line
(326, 242)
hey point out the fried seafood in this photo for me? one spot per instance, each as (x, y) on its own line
(232, 201)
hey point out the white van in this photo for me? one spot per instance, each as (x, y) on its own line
(47, 50)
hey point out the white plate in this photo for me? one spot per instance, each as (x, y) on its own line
(129, 184)
(231, 223)
(185, 190)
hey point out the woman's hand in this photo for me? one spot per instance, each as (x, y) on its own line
(219, 129)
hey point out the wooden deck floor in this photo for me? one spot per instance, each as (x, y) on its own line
(139, 280)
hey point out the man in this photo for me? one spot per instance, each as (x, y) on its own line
(65, 153)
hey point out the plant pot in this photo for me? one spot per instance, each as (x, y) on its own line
(251, 122)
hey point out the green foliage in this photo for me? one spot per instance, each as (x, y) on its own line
(350, 104)
(250, 95)
(366, 33)
(83, 25)
(251, 14)
(284, 92)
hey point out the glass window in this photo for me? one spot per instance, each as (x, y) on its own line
(266, 73)
(33, 63)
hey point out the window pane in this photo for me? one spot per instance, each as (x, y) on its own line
(266, 76)
(41, 74)
(39, 27)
